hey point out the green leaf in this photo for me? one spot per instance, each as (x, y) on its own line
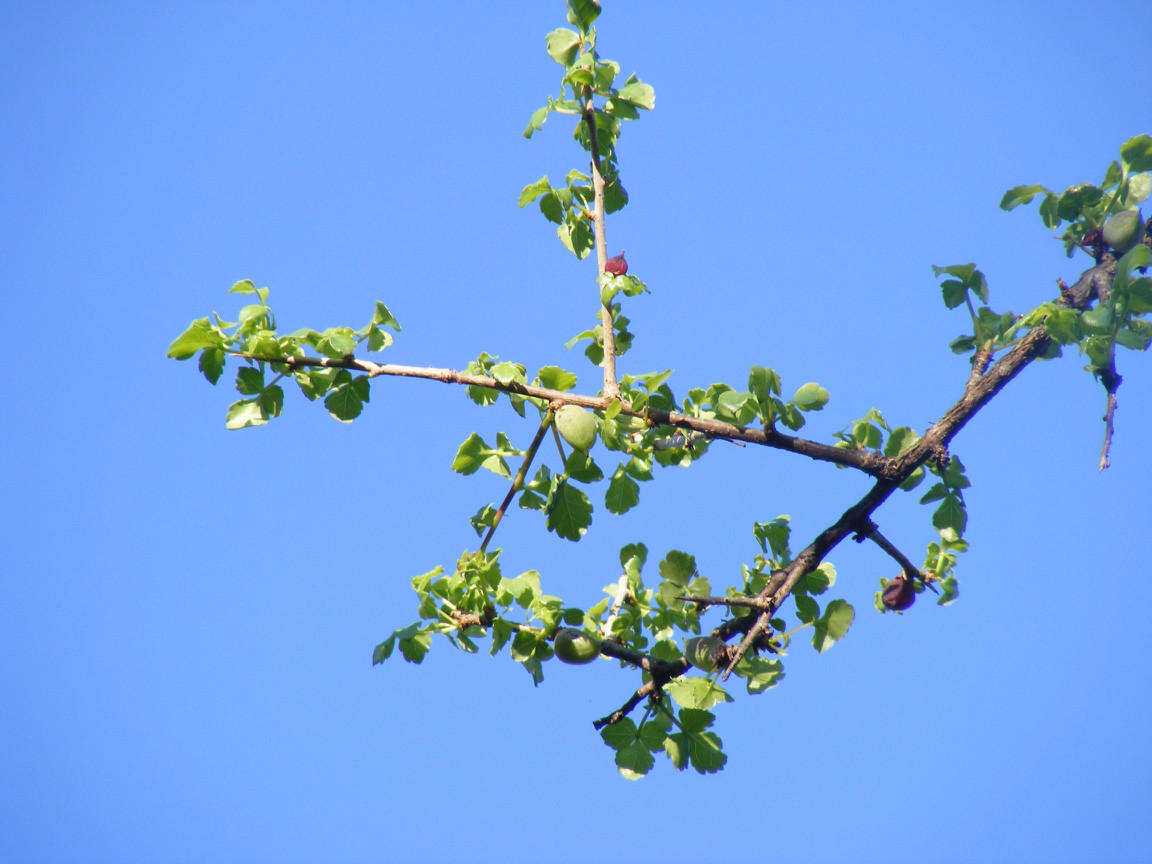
(619, 734)
(507, 373)
(244, 286)
(810, 397)
(484, 519)
(954, 292)
(384, 650)
(695, 692)
(579, 466)
(536, 123)
(555, 378)
(677, 748)
(272, 400)
(563, 45)
(381, 317)
(581, 13)
(212, 363)
(246, 412)
(807, 609)
(345, 402)
(763, 382)
(639, 94)
(534, 190)
(678, 567)
(249, 380)
(760, 672)
(950, 514)
(934, 493)
(1137, 153)
(623, 492)
(707, 753)
(633, 550)
(474, 454)
(416, 646)
(200, 334)
(569, 512)
(831, 627)
(633, 761)
(1018, 195)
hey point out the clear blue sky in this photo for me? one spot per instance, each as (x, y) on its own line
(189, 613)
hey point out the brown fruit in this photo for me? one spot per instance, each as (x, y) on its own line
(899, 594)
(616, 265)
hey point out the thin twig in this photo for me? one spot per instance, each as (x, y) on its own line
(1111, 379)
(617, 602)
(518, 480)
(871, 532)
(749, 602)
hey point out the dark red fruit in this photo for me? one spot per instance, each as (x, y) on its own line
(617, 266)
(899, 594)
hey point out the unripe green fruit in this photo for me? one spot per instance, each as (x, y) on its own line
(575, 646)
(706, 652)
(577, 425)
(1124, 230)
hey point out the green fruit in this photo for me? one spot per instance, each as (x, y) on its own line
(575, 646)
(577, 425)
(1124, 230)
(706, 652)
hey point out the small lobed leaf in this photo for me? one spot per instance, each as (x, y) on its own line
(1018, 195)
(693, 692)
(637, 93)
(245, 413)
(810, 397)
(200, 334)
(832, 626)
(1137, 153)
(569, 513)
(623, 492)
(563, 45)
(555, 378)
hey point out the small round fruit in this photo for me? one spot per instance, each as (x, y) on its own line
(899, 594)
(706, 652)
(616, 265)
(575, 646)
(1124, 230)
(577, 425)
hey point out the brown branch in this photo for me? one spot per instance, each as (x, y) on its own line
(648, 688)
(977, 392)
(518, 480)
(871, 532)
(867, 461)
(750, 602)
(611, 388)
(1111, 380)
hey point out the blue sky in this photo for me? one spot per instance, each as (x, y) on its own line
(190, 612)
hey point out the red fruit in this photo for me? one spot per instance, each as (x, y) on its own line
(617, 266)
(899, 594)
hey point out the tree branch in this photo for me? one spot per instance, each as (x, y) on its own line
(977, 392)
(518, 480)
(611, 388)
(867, 461)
